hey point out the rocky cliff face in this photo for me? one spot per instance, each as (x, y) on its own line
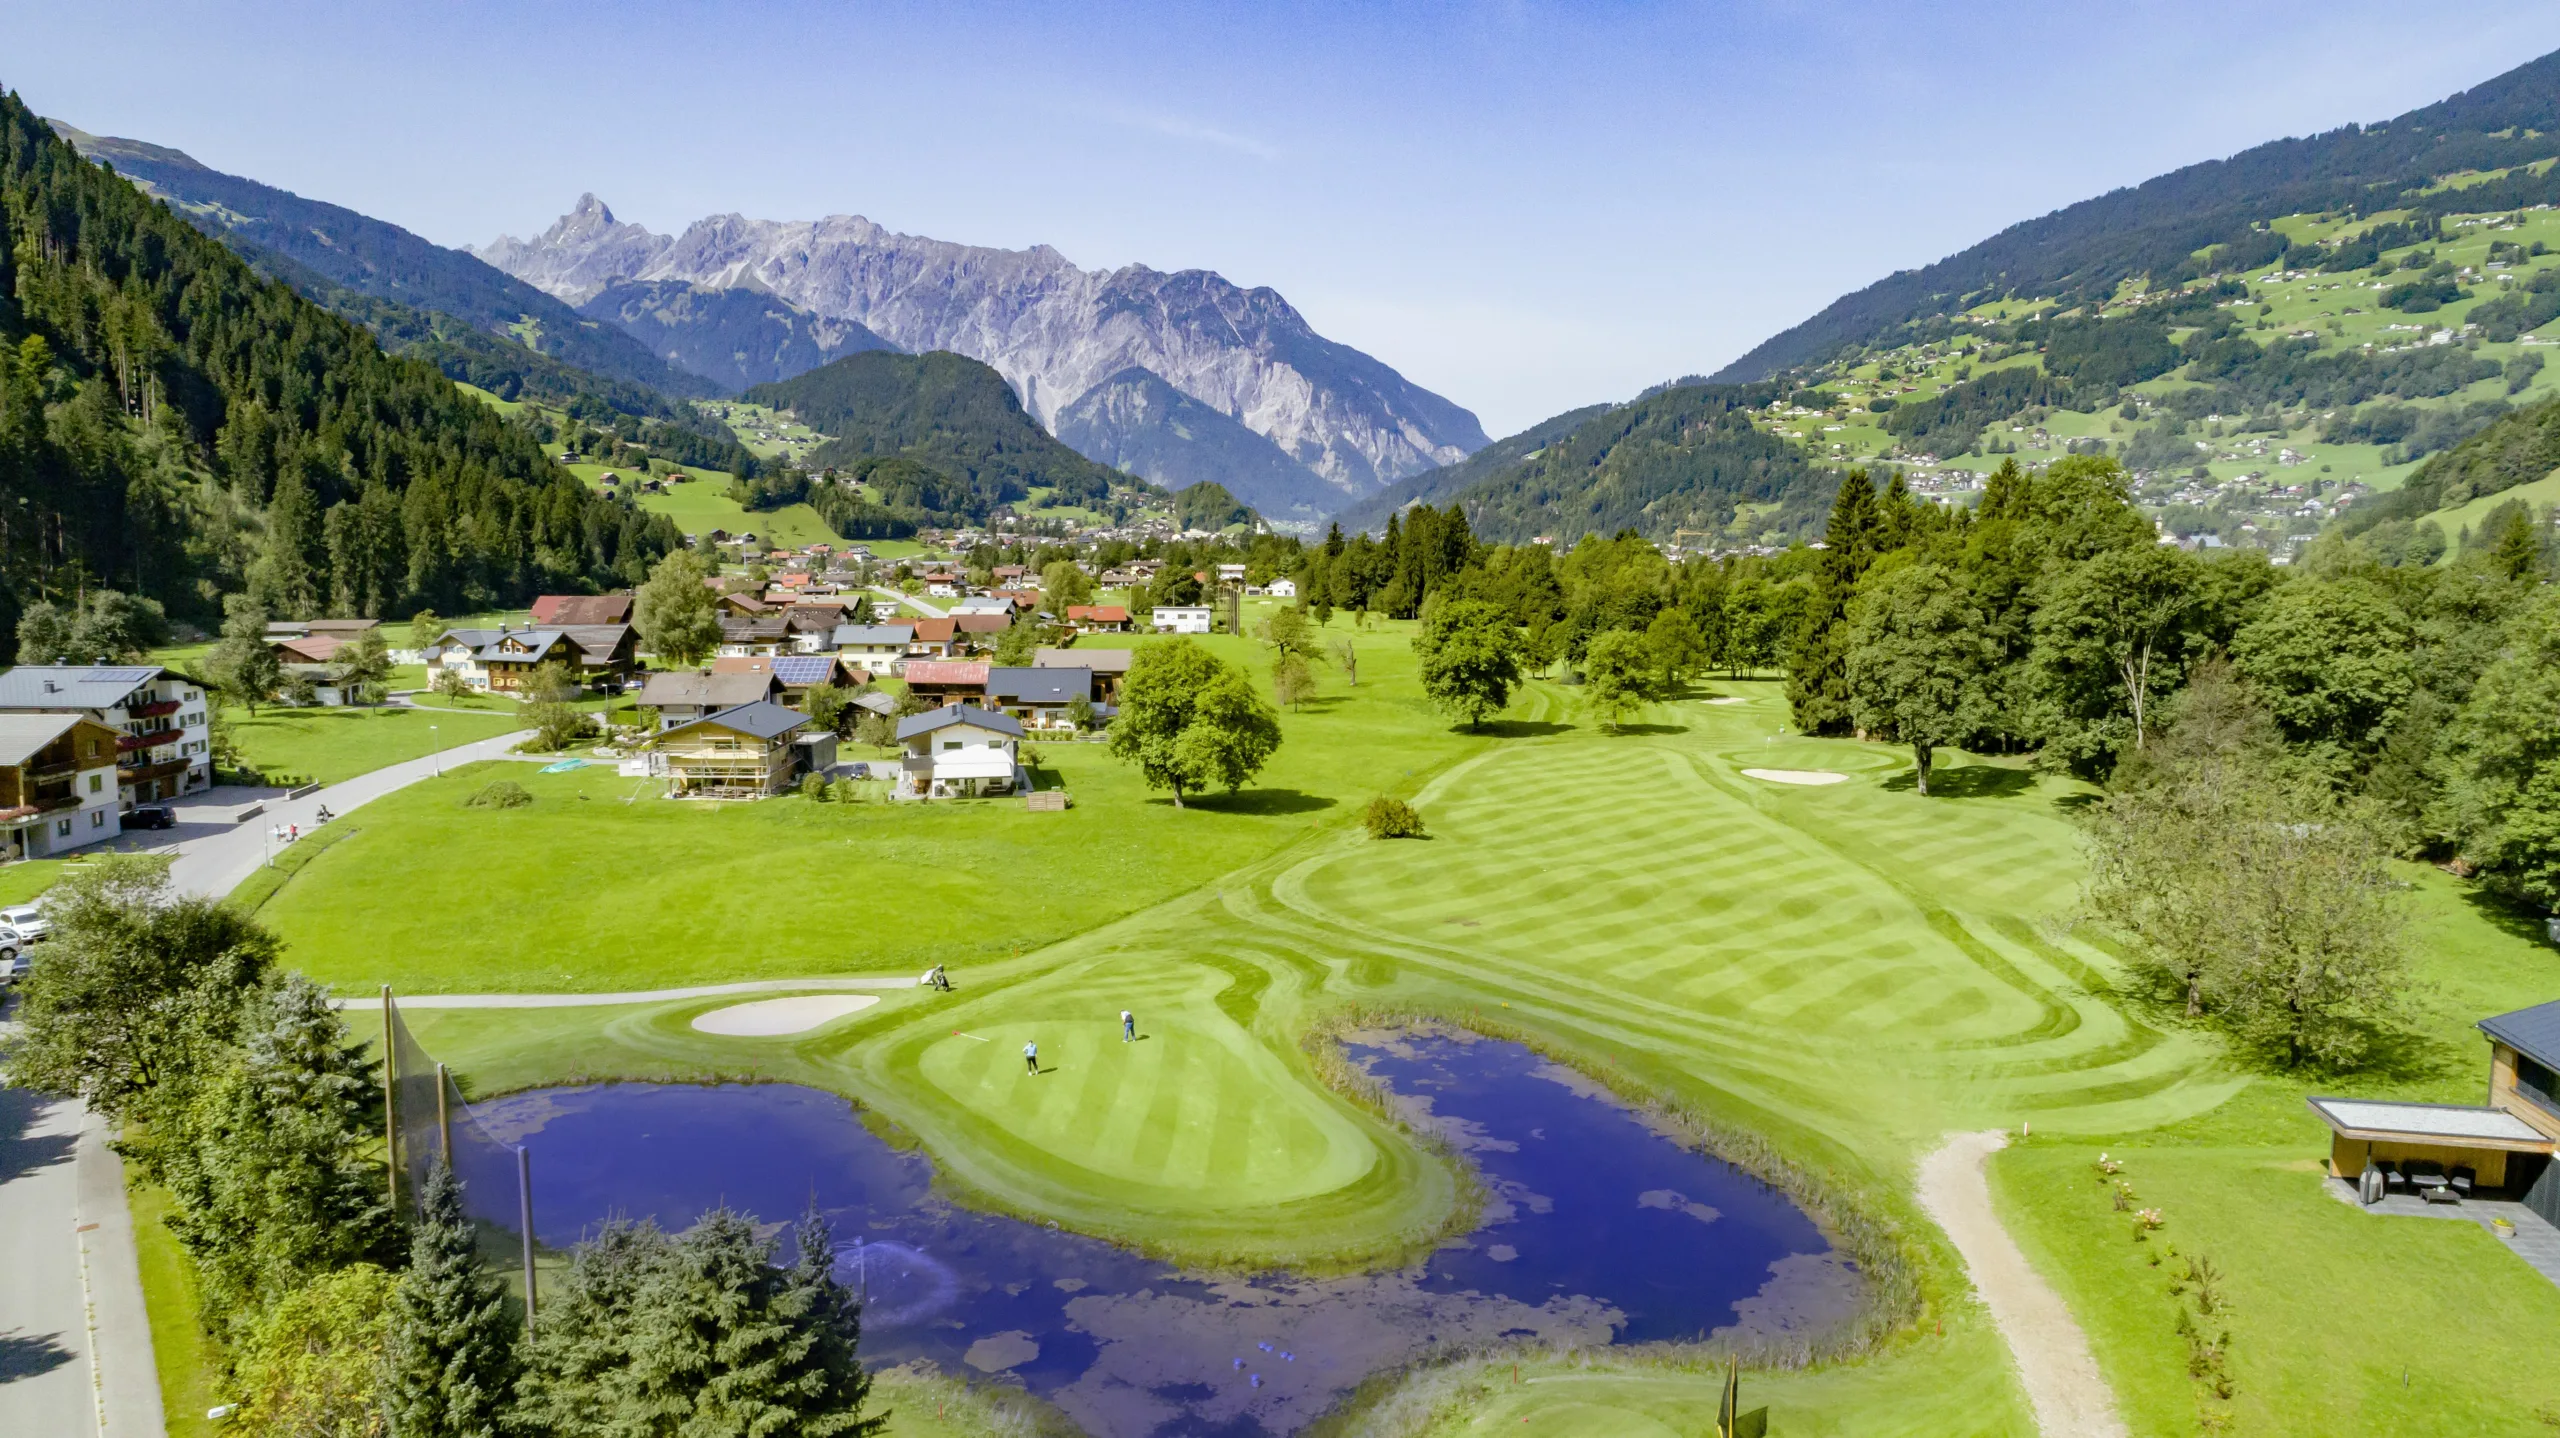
(1054, 331)
(1137, 422)
(737, 336)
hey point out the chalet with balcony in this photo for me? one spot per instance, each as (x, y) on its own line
(501, 660)
(959, 752)
(744, 753)
(58, 785)
(163, 720)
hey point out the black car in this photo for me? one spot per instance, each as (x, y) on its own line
(153, 817)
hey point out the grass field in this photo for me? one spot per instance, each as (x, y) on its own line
(330, 745)
(1851, 971)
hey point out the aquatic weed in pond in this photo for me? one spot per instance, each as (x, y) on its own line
(1598, 1230)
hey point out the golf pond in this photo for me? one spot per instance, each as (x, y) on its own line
(1597, 1229)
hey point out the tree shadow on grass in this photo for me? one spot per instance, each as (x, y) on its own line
(1967, 781)
(1258, 801)
(2073, 804)
(1519, 728)
(2505, 915)
(1652, 729)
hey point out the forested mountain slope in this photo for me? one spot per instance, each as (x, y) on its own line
(2156, 229)
(379, 259)
(934, 437)
(174, 424)
(1435, 485)
(1138, 422)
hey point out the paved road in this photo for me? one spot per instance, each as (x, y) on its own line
(911, 601)
(217, 862)
(75, 1341)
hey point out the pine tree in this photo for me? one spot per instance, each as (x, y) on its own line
(1818, 669)
(453, 1358)
(823, 1378)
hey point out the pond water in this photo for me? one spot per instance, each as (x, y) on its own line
(1598, 1230)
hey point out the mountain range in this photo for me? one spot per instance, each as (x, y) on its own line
(1055, 332)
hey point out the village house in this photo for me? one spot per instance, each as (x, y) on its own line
(935, 639)
(499, 661)
(875, 648)
(2446, 1153)
(767, 634)
(1098, 618)
(745, 752)
(563, 611)
(947, 681)
(1038, 696)
(1180, 619)
(1230, 574)
(1107, 667)
(1282, 588)
(739, 604)
(58, 784)
(979, 629)
(163, 719)
(983, 604)
(800, 673)
(961, 751)
(684, 695)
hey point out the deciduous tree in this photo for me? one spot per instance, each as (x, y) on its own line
(1469, 656)
(1617, 677)
(1189, 720)
(676, 613)
(1917, 659)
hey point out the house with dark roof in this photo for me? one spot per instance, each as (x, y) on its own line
(500, 660)
(1107, 666)
(58, 786)
(959, 752)
(2449, 1153)
(684, 695)
(163, 720)
(800, 673)
(747, 752)
(1040, 697)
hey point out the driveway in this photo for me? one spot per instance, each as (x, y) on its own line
(909, 600)
(75, 1341)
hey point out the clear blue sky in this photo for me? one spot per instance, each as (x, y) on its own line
(1526, 207)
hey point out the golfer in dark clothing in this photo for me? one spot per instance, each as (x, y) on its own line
(1128, 1027)
(1031, 1056)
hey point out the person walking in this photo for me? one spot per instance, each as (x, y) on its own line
(1031, 1056)
(1128, 1027)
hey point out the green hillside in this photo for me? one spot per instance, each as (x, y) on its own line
(927, 439)
(175, 424)
(1435, 486)
(2214, 215)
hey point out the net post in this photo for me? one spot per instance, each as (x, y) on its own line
(390, 1107)
(524, 1219)
(444, 1116)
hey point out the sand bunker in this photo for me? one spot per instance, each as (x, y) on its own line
(1793, 776)
(768, 1017)
(1727, 699)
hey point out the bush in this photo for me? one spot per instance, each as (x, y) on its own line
(499, 794)
(1387, 818)
(813, 787)
(845, 791)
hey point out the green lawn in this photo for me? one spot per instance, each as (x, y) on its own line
(179, 1348)
(329, 745)
(1850, 971)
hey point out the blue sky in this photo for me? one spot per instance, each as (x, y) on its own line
(1526, 207)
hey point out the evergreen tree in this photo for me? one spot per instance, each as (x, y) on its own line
(822, 1378)
(453, 1357)
(1818, 668)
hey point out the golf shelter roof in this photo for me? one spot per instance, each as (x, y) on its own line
(2459, 1125)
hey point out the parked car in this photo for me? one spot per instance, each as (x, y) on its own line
(15, 948)
(26, 921)
(155, 816)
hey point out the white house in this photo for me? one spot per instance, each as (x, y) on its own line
(877, 648)
(1231, 574)
(1181, 619)
(58, 788)
(167, 748)
(1282, 589)
(957, 751)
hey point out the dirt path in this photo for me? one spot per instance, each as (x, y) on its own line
(2071, 1399)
